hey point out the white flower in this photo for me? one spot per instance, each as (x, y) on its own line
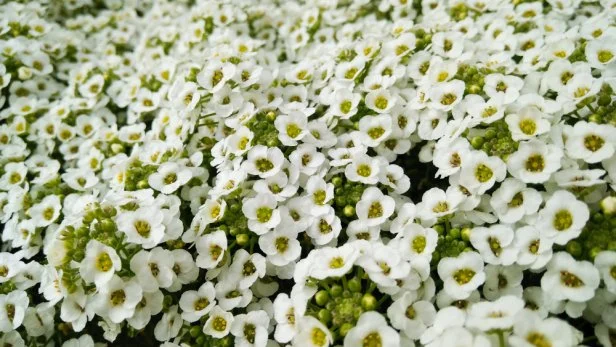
(83, 341)
(605, 262)
(534, 247)
(527, 123)
(250, 329)
(169, 177)
(281, 245)
(534, 161)
(261, 213)
(47, 211)
(498, 314)
(380, 101)
(384, 264)
(312, 333)
(436, 203)
(248, 267)
(415, 241)
(495, 244)
(12, 310)
(530, 330)
(320, 193)
(600, 53)
(569, 279)
(502, 280)
(325, 228)
(169, 325)
(210, 249)
(151, 304)
(142, 226)
(215, 74)
(590, 142)
(287, 312)
(153, 269)
(563, 217)
(263, 161)
(363, 169)
(219, 323)
(10, 266)
(374, 207)
(446, 95)
(479, 172)
(461, 275)
(372, 329)
(291, 128)
(332, 262)
(513, 200)
(197, 303)
(410, 316)
(118, 299)
(506, 86)
(375, 129)
(100, 263)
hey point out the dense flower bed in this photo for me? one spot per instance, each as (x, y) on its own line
(320, 173)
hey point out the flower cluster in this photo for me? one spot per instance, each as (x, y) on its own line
(320, 173)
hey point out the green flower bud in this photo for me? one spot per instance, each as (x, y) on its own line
(604, 100)
(322, 297)
(349, 211)
(490, 134)
(608, 205)
(200, 340)
(477, 142)
(593, 252)
(143, 184)
(474, 89)
(167, 302)
(574, 248)
(271, 116)
(242, 239)
(108, 225)
(594, 118)
(337, 181)
(344, 329)
(324, 316)
(455, 233)
(368, 302)
(354, 284)
(466, 234)
(335, 290)
(195, 331)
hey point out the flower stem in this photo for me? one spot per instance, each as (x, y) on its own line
(501, 339)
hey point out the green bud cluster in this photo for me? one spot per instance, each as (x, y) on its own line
(346, 195)
(137, 176)
(496, 141)
(193, 336)
(579, 53)
(422, 39)
(233, 222)
(451, 241)
(7, 287)
(265, 132)
(598, 235)
(605, 111)
(341, 301)
(97, 224)
(459, 11)
(473, 78)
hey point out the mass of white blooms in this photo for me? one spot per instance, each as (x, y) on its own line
(356, 173)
